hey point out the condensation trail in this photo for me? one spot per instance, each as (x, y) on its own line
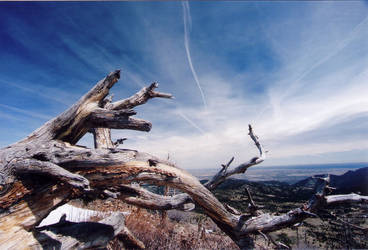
(188, 22)
(26, 112)
(190, 122)
(297, 83)
(135, 79)
(340, 46)
(40, 93)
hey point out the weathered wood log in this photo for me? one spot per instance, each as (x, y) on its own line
(102, 136)
(80, 235)
(38, 155)
(47, 169)
(24, 206)
(141, 197)
(139, 98)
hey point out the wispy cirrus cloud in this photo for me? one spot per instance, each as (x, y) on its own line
(312, 94)
(297, 72)
(26, 112)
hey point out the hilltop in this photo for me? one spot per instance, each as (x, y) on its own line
(352, 181)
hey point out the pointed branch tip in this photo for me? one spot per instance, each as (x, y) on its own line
(117, 73)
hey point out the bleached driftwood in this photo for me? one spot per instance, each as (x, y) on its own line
(47, 169)
(102, 136)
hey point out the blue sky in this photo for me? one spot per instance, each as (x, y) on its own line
(297, 71)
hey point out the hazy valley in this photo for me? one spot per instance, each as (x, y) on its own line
(288, 174)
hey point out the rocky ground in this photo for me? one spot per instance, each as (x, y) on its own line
(339, 227)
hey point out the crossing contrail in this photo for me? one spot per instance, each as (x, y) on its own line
(187, 26)
(191, 122)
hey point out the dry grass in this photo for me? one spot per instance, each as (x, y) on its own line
(179, 231)
(158, 233)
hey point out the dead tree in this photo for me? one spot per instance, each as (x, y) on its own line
(47, 169)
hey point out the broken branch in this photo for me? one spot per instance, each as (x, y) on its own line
(221, 176)
(139, 98)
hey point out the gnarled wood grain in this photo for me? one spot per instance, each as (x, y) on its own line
(47, 169)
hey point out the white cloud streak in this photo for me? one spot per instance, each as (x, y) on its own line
(45, 92)
(320, 83)
(26, 112)
(190, 122)
(306, 101)
(187, 27)
(341, 45)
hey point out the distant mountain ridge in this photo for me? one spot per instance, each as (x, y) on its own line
(355, 181)
(352, 181)
(281, 197)
(290, 174)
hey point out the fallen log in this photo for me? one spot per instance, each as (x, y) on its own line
(47, 169)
